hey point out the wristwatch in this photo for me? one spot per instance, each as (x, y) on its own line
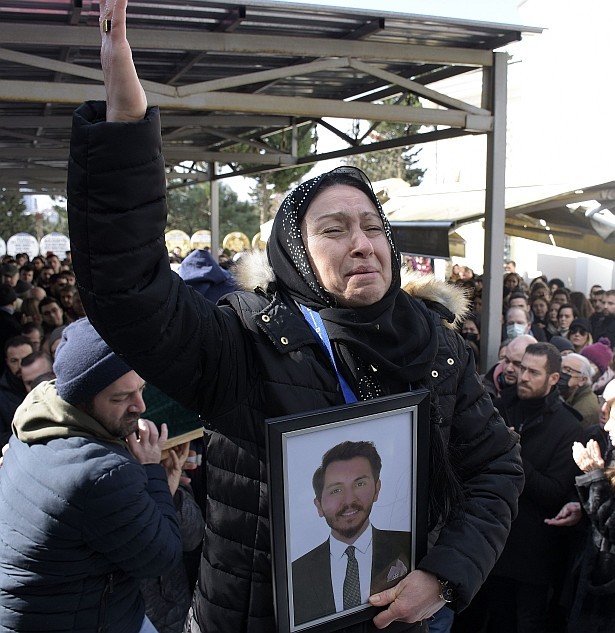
(447, 591)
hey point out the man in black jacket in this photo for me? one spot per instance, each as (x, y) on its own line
(514, 599)
(606, 327)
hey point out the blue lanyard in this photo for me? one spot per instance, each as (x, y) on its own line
(318, 327)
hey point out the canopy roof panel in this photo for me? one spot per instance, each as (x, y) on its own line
(229, 75)
(580, 219)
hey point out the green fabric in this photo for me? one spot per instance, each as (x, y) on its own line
(44, 416)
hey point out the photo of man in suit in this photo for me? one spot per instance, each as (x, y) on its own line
(357, 560)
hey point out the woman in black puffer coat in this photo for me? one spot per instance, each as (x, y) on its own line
(254, 355)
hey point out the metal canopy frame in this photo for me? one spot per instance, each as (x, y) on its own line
(230, 74)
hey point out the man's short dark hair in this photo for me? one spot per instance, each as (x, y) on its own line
(575, 312)
(30, 359)
(345, 452)
(30, 327)
(28, 267)
(552, 354)
(46, 301)
(16, 341)
(518, 294)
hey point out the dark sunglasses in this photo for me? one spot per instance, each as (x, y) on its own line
(578, 330)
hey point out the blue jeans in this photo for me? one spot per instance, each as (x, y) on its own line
(441, 621)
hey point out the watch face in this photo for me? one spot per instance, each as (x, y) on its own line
(447, 593)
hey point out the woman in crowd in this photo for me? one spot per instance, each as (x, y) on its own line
(579, 334)
(582, 304)
(323, 322)
(555, 284)
(540, 289)
(540, 310)
(561, 295)
(565, 316)
(512, 282)
(552, 323)
(470, 331)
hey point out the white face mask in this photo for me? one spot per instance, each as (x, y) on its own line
(515, 329)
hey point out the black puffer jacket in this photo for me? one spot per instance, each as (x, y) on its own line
(251, 358)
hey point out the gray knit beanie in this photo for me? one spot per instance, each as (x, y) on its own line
(84, 364)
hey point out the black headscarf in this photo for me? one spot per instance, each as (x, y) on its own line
(384, 348)
(394, 336)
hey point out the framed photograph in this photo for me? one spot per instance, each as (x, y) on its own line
(348, 493)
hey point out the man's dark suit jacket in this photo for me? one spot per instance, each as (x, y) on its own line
(311, 574)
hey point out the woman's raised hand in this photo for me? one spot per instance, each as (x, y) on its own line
(126, 99)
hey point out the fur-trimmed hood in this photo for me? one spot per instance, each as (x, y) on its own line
(254, 271)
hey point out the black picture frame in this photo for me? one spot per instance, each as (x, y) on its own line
(398, 426)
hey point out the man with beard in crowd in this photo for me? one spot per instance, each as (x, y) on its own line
(87, 509)
(515, 596)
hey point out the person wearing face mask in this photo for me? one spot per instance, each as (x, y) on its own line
(517, 323)
(470, 331)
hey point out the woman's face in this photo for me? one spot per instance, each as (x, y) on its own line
(469, 327)
(511, 281)
(565, 317)
(579, 338)
(540, 308)
(553, 310)
(347, 246)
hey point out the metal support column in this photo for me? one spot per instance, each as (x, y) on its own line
(495, 213)
(215, 210)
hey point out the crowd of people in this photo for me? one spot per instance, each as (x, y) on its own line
(100, 518)
(554, 384)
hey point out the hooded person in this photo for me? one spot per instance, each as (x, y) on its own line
(204, 274)
(331, 269)
(87, 507)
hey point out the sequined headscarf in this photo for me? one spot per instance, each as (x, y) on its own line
(395, 336)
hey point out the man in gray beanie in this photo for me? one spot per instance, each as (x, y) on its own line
(87, 510)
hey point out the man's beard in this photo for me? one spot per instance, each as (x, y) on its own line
(122, 428)
(128, 424)
(350, 531)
